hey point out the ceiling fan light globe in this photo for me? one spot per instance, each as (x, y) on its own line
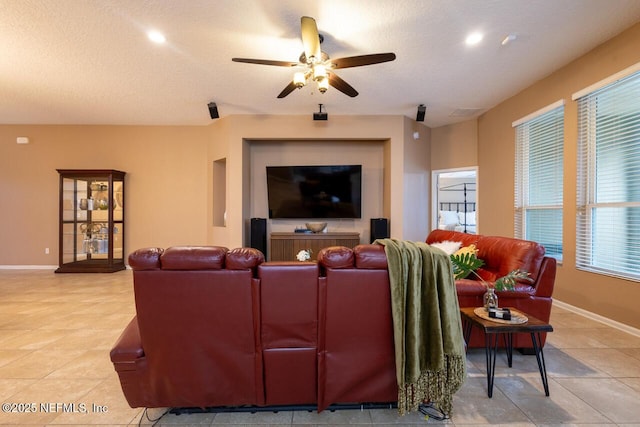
(323, 85)
(299, 79)
(319, 73)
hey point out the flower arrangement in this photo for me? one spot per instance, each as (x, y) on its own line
(304, 255)
(465, 261)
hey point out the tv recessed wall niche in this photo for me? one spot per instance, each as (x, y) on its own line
(311, 192)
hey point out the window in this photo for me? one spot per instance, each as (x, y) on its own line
(608, 187)
(539, 178)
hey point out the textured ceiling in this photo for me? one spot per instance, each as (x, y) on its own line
(90, 62)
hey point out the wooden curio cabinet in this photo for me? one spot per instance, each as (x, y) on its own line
(91, 221)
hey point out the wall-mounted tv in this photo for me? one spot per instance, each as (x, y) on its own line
(315, 191)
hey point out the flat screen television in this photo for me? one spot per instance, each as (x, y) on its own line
(315, 191)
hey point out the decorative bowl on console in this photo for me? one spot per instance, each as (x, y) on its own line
(316, 227)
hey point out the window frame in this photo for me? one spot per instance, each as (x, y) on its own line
(588, 257)
(554, 113)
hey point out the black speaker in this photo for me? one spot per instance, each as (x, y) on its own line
(422, 109)
(259, 234)
(213, 110)
(379, 228)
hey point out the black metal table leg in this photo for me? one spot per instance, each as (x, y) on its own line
(508, 338)
(537, 348)
(467, 331)
(491, 351)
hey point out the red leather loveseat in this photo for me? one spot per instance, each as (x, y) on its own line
(218, 328)
(502, 255)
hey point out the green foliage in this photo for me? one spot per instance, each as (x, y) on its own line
(508, 282)
(465, 264)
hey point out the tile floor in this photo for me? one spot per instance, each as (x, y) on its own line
(56, 331)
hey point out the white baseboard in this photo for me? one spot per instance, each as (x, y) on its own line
(609, 322)
(37, 267)
(28, 267)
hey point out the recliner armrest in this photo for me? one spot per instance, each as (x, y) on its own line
(546, 278)
(128, 347)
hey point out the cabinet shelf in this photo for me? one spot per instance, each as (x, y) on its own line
(91, 221)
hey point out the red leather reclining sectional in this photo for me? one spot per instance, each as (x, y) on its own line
(219, 328)
(224, 328)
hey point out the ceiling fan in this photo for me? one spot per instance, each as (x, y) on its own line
(317, 65)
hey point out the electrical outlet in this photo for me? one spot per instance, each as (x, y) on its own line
(46, 251)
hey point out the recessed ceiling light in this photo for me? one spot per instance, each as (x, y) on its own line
(473, 39)
(156, 37)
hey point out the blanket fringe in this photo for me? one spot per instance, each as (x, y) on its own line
(437, 387)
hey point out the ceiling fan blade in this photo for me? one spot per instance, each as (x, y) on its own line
(265, 62)
(342, 86)
(310, 37)
(287, 90)
(359, 61)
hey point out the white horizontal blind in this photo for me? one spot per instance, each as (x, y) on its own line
(608, 188)
(539, 180)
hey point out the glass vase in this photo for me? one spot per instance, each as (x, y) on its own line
(490, 299)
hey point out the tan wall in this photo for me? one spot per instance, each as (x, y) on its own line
(235, 138)
(416, 180)
(170, 177)
(613, 298)
(166, 189)
(455, 146)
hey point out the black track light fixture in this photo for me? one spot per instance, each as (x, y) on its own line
(422, 109)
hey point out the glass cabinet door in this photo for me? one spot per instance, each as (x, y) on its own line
(91, 221)
(118, 220)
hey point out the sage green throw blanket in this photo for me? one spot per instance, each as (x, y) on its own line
(429, 348)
